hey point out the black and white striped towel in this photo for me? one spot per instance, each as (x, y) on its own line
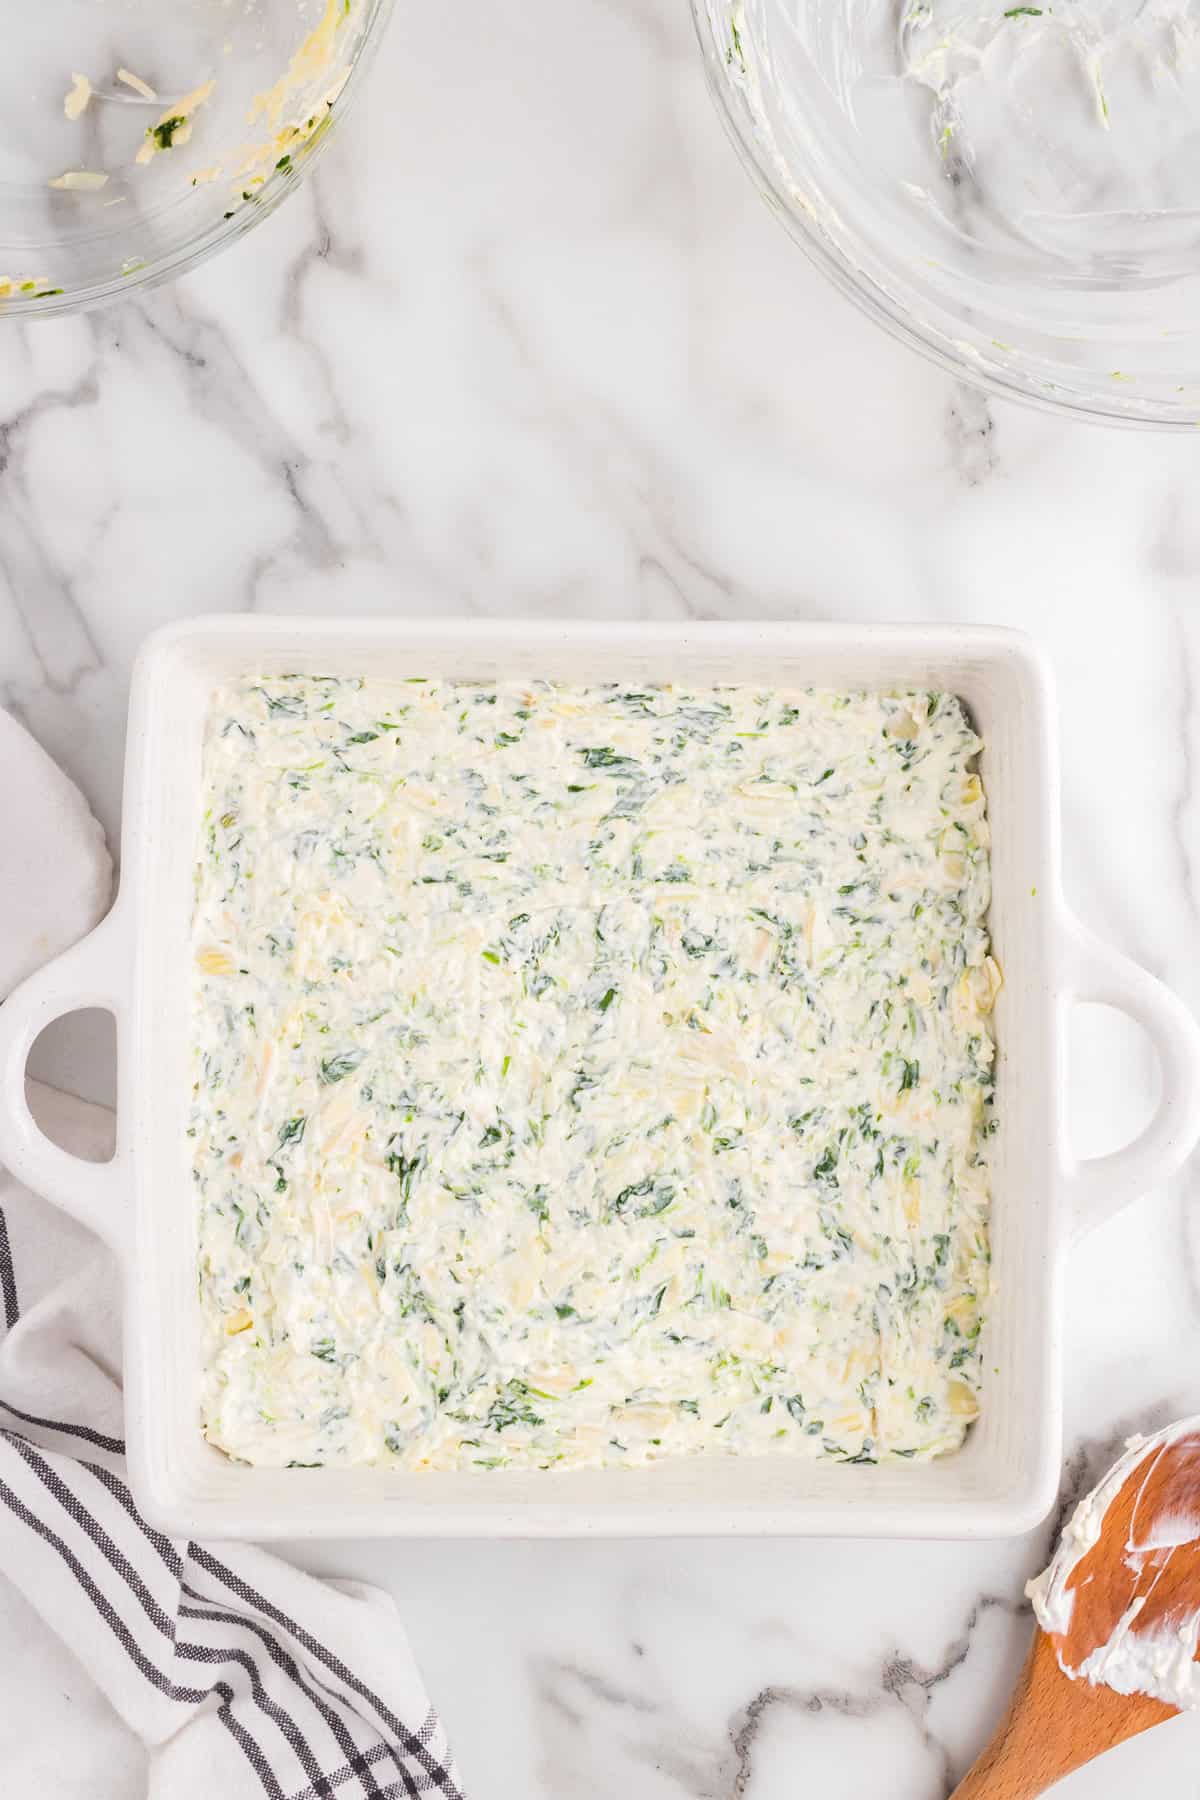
(241, 1675)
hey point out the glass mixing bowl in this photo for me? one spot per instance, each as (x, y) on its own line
(142, 135)
(1015, 190)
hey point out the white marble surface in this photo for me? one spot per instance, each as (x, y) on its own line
(530, 344)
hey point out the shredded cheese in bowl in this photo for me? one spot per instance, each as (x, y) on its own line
(589, 1075)
(170, 140)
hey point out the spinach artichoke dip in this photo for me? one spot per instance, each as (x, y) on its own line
(589, 1075)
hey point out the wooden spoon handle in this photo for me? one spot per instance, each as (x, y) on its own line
(1053, 1725)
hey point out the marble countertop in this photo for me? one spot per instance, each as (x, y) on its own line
(530, 344)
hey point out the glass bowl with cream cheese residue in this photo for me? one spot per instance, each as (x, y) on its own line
(140, 137)
(1014, 190)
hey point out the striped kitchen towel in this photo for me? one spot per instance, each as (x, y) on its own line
(241, 1675)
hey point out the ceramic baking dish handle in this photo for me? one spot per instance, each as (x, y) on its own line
(1094, 971)
(92, 973)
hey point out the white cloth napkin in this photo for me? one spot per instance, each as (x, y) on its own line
(241, 1675)
(56, 879)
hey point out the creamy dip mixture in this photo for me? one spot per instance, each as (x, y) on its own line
(589, 1075)
(1120, 1597)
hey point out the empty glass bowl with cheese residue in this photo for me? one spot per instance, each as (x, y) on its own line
(141, 136)
(1015, 190)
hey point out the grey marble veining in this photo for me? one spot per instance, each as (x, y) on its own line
(529, 344)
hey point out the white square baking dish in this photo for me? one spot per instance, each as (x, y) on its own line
(137, 965)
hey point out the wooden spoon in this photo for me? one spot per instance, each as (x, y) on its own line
(1139, 1579)
(1054, 1725)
